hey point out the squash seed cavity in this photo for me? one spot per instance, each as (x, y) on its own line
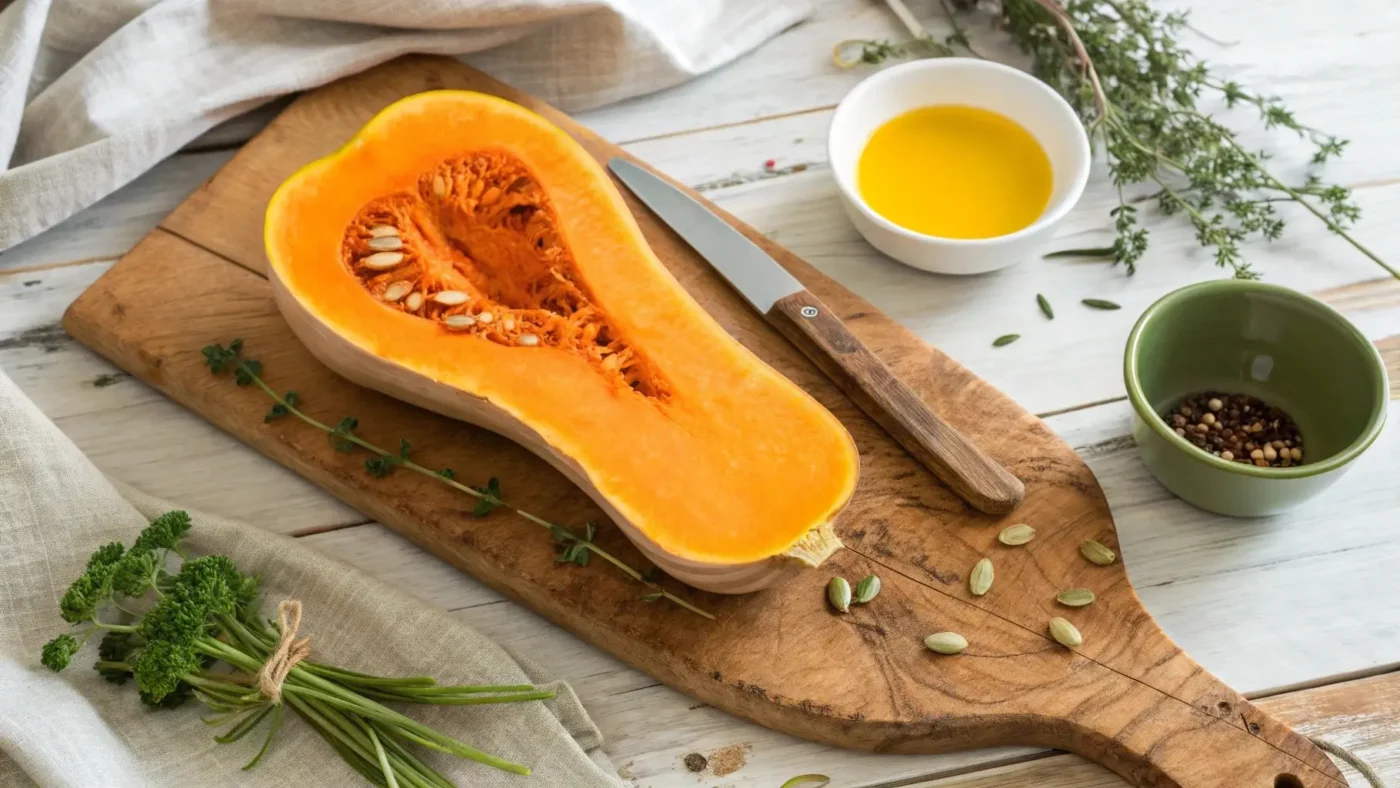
(478, 238)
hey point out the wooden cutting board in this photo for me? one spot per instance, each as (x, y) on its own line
(1128, 697)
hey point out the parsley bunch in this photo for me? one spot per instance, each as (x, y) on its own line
(1138, 91)
(195, 631)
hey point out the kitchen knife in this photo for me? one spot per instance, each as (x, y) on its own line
(824, 339)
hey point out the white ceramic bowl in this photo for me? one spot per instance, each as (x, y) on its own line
(978, 83)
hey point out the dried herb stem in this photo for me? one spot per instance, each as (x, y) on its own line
(249, 370)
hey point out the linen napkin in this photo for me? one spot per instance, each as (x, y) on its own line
(95, 92)
(74, 730)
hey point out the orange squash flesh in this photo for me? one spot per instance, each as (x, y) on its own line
(700, 446)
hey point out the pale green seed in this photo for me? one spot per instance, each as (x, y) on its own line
(1017, 534)
(1065, 633)
(945, 642)
(838, 592)
(1075, 597)
(1096, 552)
(980, 580)
(867, 589)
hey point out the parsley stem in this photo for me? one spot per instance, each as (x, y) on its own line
(350, 437)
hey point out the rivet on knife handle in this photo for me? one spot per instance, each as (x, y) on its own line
(823, 338)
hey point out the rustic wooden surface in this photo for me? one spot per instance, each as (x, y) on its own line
(1271, 606)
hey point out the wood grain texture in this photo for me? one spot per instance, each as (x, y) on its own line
(1359, 715)
(974, 477)
(1128, 698)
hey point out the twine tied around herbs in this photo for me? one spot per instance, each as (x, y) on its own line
(290, 650)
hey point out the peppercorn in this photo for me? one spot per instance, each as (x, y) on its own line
(1237, 428)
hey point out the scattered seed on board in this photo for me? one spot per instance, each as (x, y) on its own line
(1065, 633)
(450, 297)
(383, 231)
(838, 593)
(945, 642)
(528, 340)
(396, 291)
(1075, 597)
(439, 186)
(386, 244)
(979, 581)
(414, 301)
(1096, 552)
(1005, 339)
(867, 589)
(1017, 534)
(382, 261)
(459, 321)
(486, 317)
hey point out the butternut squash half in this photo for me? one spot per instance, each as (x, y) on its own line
(463, 254)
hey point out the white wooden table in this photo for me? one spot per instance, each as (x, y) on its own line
(1300, 610)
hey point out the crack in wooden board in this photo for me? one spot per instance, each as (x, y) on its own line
(1129, 698)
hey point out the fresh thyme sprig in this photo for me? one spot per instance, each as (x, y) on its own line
(1136, 88)
(575, 547)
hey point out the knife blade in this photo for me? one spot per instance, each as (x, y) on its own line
(756, 276)
(822, 337)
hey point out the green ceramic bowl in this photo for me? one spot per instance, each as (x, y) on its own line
(1266, 341)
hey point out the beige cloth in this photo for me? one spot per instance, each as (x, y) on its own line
(76, 731)
(94, 92)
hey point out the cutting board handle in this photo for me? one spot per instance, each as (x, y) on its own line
(1171, 744)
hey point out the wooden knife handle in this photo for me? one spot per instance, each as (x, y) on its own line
(823, 338)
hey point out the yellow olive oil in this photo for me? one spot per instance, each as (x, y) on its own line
(955, 171)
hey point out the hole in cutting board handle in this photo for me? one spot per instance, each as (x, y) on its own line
(1288, 781)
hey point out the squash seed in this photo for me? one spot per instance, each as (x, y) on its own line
(382, 261)
(1017, 534)
(838, 593)
(439, 186)
(383, 231)
(486, 317)
(528, 340)
(396, 291)
(945, 642)
(867, 589)
(1075, 597)
(459, 321)
(1096, 552)
(980, 580)
(386, 244)
(450, 297)
(508, 324)
(1065, 633)
(414, 301)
